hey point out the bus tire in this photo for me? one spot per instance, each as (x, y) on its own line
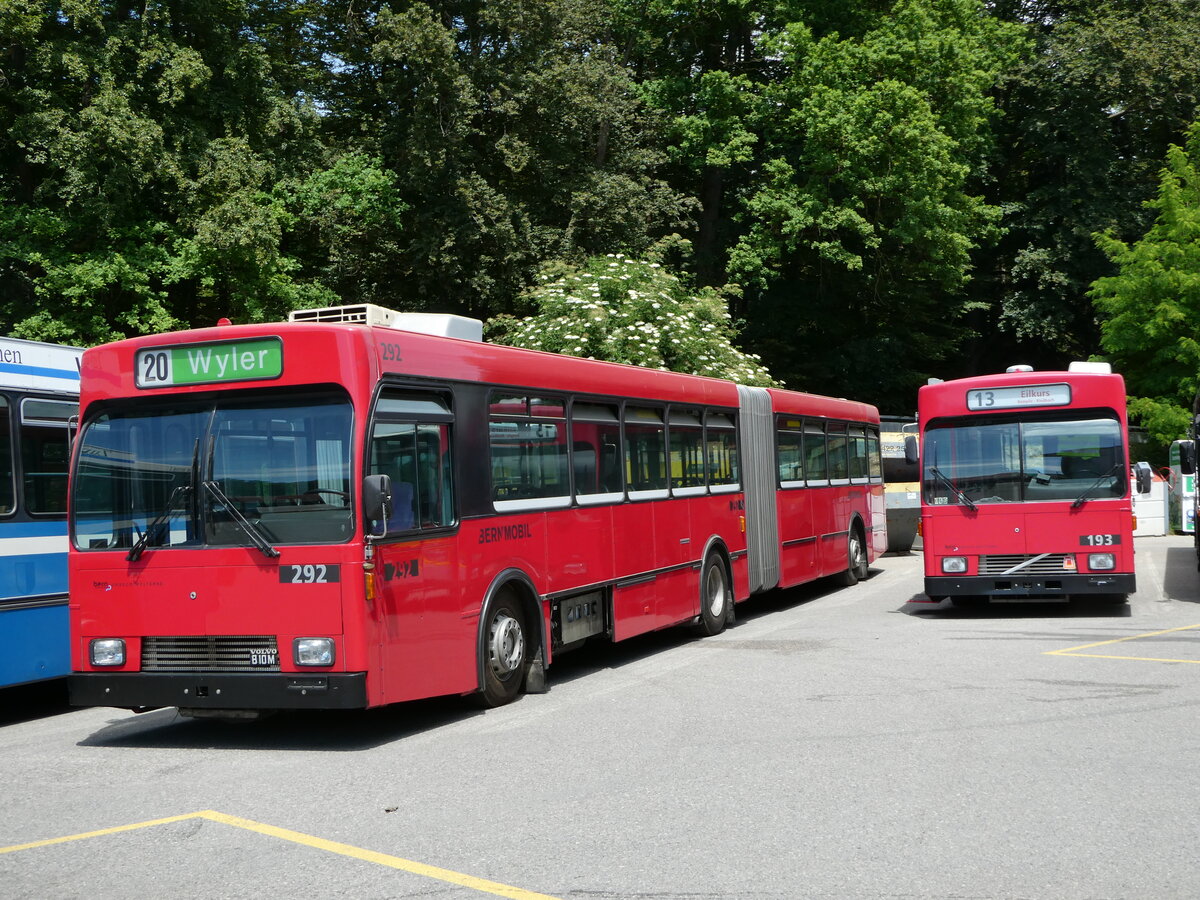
(716, 597)
(505, 648)
(857, 567)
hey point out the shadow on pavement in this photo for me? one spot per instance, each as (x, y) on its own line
(33, 701)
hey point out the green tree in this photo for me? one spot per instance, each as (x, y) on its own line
(857, 235)
(344, 226)
(517, 136)
(140, 147)
(1087, 121)
(632, 311)
(1150, 309)
(699, 63)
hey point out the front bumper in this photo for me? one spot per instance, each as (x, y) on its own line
(200, 690)
(1032, 587)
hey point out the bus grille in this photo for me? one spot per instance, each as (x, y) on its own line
(223, 653)
(1053, 564)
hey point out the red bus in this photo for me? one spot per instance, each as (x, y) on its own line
(321, 514)
(1025, 486)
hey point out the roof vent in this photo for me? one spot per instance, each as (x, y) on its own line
(370, 314)
(1096, 368)
(1012, 369)
(357, 313)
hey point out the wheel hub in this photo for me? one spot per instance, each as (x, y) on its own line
(506, 645)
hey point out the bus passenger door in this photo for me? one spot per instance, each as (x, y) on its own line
(635, 588)
(797, 539)
(424, 646)
(678, 593)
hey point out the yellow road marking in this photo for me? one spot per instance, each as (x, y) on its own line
(91, 834)
(1073, 651)
(394, 862)
(383, 859)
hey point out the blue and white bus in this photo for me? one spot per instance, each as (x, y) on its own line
(39, 400)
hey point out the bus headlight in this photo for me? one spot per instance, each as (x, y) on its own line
(107, 652)
(954, 565)
(313, 651)
(1102, 561)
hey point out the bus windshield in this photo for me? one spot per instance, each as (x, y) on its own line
(229, 472)
(980, 460)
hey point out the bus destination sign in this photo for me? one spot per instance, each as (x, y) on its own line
(1019, 397)
(215, 363)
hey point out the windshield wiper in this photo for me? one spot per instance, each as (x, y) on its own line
(1083, 498)
(963, 498)
(135, 552)
(245, 524)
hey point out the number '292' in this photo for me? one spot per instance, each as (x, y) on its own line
(309, 573)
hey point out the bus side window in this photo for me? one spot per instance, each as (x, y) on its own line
(720, 436)
(874, 462)
(527, 437)
(837, 446)
(596, 448)
(7, 487)
(686, 448)
(45, 454)
(789, 457)
(816, 465)
(858, 454)
(645, 449)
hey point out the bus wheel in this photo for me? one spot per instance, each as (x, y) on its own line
(856, 559)
(504, 649)
(715, 597)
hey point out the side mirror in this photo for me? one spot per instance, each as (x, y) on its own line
(1187, 457)
(377, 503)
(1144, 475)
(911, 451)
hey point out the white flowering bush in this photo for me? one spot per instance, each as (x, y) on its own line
(632, 311)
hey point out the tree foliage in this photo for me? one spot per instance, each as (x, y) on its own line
(1088, 119)
(518, 136)
(1151, 307)
(894, 189)
(141, 148)
(858, 234)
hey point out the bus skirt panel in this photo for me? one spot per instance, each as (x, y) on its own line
(288, 690)
(1029, 587)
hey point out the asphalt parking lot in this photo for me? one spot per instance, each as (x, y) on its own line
(834, 743)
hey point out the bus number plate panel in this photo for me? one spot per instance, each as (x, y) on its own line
(1019, 397)
(209, 363)
(310, 573)
(1099, 540)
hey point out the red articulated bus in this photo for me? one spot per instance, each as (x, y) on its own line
(1025, 486)
(324, 514)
